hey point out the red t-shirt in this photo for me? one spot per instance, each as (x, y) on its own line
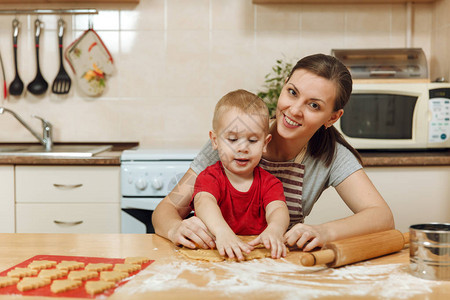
(243, 211)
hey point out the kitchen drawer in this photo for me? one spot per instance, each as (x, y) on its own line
(7, 199)
(67, 218)
(67, 184)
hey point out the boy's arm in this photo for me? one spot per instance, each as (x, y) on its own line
(227, 242)
(277, 216)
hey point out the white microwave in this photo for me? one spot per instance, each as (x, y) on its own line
(397, 116)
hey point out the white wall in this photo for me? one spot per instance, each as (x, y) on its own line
(176, 58)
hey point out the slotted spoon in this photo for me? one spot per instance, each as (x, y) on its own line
(62, 82)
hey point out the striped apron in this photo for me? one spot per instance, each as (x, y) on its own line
(291, 176)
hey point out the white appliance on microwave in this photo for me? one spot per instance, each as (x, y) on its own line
(413, 115)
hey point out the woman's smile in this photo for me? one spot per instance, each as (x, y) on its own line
(290, 123)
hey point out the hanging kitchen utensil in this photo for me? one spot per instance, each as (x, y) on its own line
(16, 86)
(38, 86)
(91, 62)
(62, 82)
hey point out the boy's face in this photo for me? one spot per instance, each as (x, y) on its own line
(240, 140)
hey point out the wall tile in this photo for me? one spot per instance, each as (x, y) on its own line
(232, 15)
(277, 17)
(237, 50)
(187, 63)
(147, 15)
(188, 15)
(142, 64)
(104, 20)
(323, 28)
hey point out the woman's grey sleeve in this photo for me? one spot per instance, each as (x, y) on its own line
(206, 157)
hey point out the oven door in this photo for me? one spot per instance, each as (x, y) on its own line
(136, 214)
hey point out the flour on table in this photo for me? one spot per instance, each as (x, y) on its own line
(279, 277)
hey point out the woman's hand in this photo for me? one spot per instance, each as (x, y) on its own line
(306, 237)
(271, 239)
(192, 233)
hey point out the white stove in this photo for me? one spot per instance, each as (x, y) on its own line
(147, 176)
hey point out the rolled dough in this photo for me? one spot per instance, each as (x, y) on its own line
(213, 254)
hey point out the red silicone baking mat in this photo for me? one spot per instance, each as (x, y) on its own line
(75, 293)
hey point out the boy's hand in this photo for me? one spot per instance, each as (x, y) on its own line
(271, 239)
(230, 244)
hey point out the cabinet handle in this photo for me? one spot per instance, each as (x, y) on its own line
(67, 186)
(67, 223)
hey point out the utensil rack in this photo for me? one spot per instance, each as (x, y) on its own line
(87, 11)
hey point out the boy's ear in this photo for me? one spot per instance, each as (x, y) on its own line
(267, 141)
(213, 138)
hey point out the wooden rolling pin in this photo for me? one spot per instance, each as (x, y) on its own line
(355, 249)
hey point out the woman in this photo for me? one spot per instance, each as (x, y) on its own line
(307, 154)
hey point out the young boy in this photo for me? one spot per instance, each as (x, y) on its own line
(235, 196)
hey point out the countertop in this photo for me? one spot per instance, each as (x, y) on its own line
(370, 158)
(106, 158)
(172, 276)
(405, 158)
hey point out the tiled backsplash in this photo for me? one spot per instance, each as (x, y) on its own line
(174, 59)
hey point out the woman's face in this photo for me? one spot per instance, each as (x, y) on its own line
(305, 104)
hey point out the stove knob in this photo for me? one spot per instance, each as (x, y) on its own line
(141, 184)
(157, 183)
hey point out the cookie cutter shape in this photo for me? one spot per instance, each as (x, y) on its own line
(82, 275)
(138, 260)
(95, 287)
(98, 267)
(52, 273)
(129, 268)
(113, 276)
(42, 264)
(70, 265)
(31, 283)
(62, 285)
(22, 272)
(7, 281)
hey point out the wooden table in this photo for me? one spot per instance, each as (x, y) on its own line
(173, 276)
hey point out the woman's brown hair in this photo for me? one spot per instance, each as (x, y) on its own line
(323, 143)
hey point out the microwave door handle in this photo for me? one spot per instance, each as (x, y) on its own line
(383, 73)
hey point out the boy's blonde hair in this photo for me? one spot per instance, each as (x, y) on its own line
(245, 101)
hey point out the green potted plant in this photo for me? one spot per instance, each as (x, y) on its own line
(274, 82)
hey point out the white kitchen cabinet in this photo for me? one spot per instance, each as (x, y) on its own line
(67, 218)
(69, 199)
(7, 216)
(414, 194)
